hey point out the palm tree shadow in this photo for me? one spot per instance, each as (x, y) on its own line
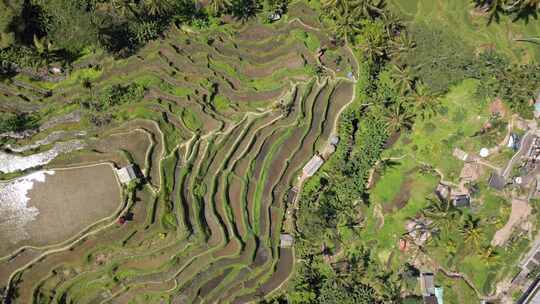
(526, 14)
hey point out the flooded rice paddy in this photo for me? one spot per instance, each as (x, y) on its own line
(12, 163)
(48, 207)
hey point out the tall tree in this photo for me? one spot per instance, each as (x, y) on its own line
(399, 116)
(157, 7)
(218, 7)
(424, 101)
(403, 77)
(471, 231)
(9, 10)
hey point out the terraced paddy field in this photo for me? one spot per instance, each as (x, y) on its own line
(221, 134)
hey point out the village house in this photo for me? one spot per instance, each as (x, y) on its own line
(461, 155)
(128, 173)
(312, 166)
(533, 154)
(419, 230)
(461, 200)
(431, 294)
(443, 192)
(537, 107)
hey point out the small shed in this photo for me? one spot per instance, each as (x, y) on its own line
(127, 173)
(313, 165)
(334, 140)
(427, 283)
(439, 294)
(484, 152)
(430, 300)
(291, 195)
(496, 181)
(286, 240)
(274, 17)
(513, 141)
(460, 154)
(537, 108)
(461, 201)
(443, 192)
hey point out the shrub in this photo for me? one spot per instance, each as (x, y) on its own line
(10, 122)
(120, 94)
(435, 58)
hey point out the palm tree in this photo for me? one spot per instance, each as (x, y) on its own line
(400, 46)
(157, 7)
(44, 47)
(442, 214)
(425, 103)
(488, 255)
(122, 7)
(398, 117)
(493, 8)
(471, 231)
(331, 4)
(403, 77)
(346, 25)
(218, 7)
(369, 8)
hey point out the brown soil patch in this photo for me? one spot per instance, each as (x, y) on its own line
(471, 172)
(402, 197)
(282, 271)
(235, 199)
(292, 61)
(207, 288)
(392, 140)
(255, 32)
(340, 97)
(232, 248)
(497, 107)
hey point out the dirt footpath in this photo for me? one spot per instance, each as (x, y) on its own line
(520, 212)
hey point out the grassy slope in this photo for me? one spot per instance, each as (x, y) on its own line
(457, 16)
(432, 142)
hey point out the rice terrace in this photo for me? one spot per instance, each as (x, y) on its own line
(269, 151)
